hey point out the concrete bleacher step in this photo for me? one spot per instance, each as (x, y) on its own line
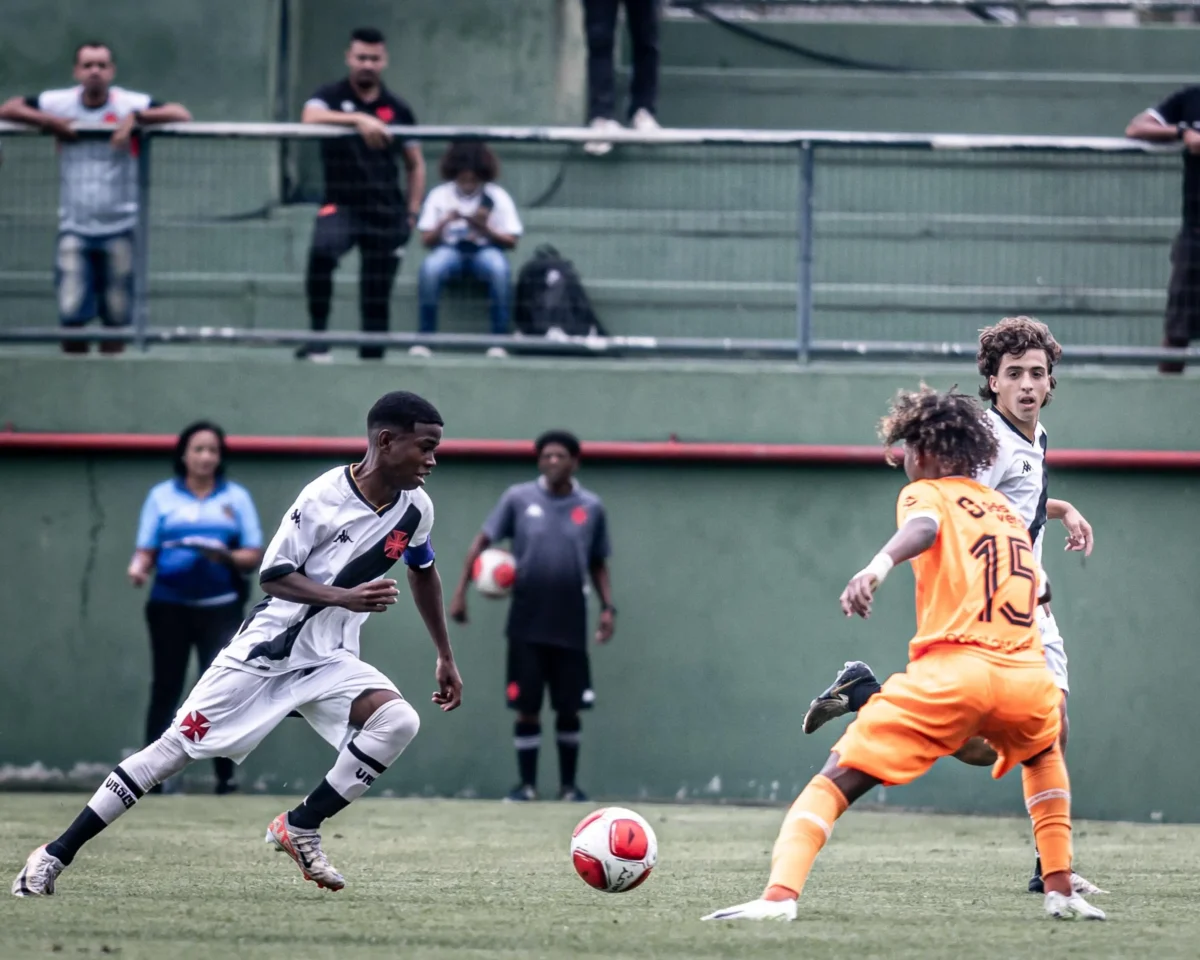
(1003, 103)
(937, 46)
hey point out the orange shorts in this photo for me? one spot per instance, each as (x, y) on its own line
(945, 698)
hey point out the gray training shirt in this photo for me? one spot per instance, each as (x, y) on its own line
(555, 540)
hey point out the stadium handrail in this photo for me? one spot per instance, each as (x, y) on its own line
(664, 137)
(1098, 5)
(627, 451)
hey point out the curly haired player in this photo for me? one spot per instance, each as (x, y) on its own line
(976, 666)
(1016, 359)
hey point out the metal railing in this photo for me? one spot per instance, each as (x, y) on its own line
(920, 238)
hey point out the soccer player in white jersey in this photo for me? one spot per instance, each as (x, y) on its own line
(1016, 358)
(323, 573)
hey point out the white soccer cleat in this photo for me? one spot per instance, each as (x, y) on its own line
(37, 877)
(1085, 887)
(757, 910)
(304, 846)
(1073, 907)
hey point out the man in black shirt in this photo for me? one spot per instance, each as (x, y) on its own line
(559, 534)
(363, 204)
(1178, 118)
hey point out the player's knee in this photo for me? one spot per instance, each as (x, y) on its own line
(151, 765)
(568, 723)
(393, 724)
(976, 752)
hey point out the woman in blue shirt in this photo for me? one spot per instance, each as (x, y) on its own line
(199, 535)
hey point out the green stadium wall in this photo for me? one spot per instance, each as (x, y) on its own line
(726, 576)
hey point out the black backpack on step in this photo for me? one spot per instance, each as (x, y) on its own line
(550, 295)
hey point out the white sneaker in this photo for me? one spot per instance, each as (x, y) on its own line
(304, 846)
(757, 910)
(644, 120)
(497, 353)
(419, 350)
(598, 148)
(37, 877)
(1085, 887)
(1071, 908)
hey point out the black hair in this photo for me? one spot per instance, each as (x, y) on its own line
(949, 426)
(185, 437)
(563, 438)
(95, 43)
(366, 35)
(402, 410)
(473, 155)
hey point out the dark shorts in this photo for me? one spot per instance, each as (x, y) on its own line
(534, 666)
(1183, 295)
(340, 228)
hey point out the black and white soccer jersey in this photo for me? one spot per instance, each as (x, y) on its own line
(332, 535)
(1019, 472)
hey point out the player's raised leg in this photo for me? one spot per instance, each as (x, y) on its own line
(853, 686)
(121, 789)
(387, 724)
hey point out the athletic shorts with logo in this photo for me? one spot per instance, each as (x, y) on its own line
(532, 667)
(230, 711)
(943, 699)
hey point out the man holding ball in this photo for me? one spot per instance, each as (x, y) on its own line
(559, 536)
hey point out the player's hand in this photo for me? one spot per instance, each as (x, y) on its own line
(458, 606)
(449, 692)
(373, 597)
(373, 130)
(606, 626)
(1079, 533)
(121, 136)
(61, 128)
(138, 574)
(859, 594)
(1191, 141)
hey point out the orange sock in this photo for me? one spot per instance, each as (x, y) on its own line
(1048, 800)
(805, 830)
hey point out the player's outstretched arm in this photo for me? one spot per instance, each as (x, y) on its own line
(426, 586)
(1079, 531)
(458, 603)
(373, 597)
(911, 540)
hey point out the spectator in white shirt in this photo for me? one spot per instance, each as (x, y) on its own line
(467, 222)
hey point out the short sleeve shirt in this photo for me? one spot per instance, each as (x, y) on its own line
(333, 535)
(977, 584)
(98, 193)
(1183, 106)
(446, 198)
(177, 525)
(356, 176)
(555, 541)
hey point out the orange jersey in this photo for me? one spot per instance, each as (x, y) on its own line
(977, 584)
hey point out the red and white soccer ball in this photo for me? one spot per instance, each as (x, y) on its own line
(494, 572)
(614, 849)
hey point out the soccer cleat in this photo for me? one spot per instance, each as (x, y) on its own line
(1084, 887)
(835, 701)
(1073, 907)
(304, 846)
(37, 877)
(757, 910)
(522, 794)
(572, 794)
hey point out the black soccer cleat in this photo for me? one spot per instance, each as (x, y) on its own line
(1035, 882)
(835, 701)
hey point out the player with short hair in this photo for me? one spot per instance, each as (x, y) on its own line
(976, 665)
(323, 573)
(1016, 358)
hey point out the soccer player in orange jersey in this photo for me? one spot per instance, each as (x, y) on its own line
(976, 662)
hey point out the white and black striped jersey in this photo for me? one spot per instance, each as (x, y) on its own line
(332, 535)
(1019, 472)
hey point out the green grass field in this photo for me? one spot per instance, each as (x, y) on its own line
(189, 877)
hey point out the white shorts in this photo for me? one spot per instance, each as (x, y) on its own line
(230, 711)
(1056, 651)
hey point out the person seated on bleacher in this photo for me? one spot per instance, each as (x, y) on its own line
(467, 222)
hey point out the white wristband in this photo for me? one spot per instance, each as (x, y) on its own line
(879, 567)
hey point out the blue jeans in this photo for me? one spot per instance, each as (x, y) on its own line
(449, 263)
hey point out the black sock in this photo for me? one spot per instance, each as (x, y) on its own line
(567, 730)
(1037, 864)
(85, 826)
(860, 693)
(319, 805)
(527, 738)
